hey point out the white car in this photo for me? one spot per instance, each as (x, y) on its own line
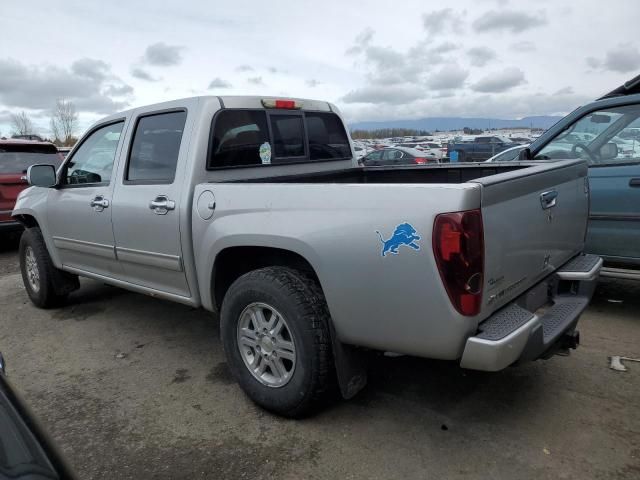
(360, 150)
(432, 149)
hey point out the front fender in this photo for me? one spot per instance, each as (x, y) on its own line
(32, 202)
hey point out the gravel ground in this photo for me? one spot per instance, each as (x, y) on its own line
(132, 387)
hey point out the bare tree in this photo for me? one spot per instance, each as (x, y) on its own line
(64, 122)
(21, 124)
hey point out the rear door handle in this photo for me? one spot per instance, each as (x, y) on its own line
(99, 203)
(161, 205)
(548, 199)
(634, 182)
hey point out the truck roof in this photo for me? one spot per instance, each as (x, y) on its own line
(242, 101)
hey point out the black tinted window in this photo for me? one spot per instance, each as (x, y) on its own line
(243, 138)
(17, 158)
(327, 138)
(237, 138)
(288, 135)
(155, 148)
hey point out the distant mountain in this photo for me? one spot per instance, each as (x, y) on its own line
(458, 123)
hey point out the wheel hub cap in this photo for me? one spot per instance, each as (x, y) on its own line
(31, 268)
(266, 345)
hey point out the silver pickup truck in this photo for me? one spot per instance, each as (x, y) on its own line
(256, 208)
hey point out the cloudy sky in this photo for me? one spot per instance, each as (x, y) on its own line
(376, 60)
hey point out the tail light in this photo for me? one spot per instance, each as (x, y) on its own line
(420, 160)
(458, 247)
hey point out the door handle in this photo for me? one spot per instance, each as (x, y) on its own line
(634, 182)
(548, 199)
(99, 203)
(161, 205)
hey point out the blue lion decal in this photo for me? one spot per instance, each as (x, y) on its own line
(404, 234)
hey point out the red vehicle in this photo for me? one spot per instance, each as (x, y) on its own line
(16, 156)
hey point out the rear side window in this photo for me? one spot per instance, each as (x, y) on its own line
(155, 148)
(327, 138)
(18, 157)
(259, 137)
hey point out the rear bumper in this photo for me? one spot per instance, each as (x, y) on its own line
(521, 331)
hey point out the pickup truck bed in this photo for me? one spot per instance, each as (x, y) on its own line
(436, 173)
(336, 222)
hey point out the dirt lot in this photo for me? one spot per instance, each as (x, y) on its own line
(168, 408)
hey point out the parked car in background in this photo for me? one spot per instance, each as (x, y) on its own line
(480, 149)
(520, 140)
(396, 156)
(593, 132)
(31, 137)
(64, 151)
(432, 149)
(16, 156)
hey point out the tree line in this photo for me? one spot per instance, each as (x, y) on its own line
(63, 124)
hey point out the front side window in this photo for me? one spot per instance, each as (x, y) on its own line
(377, 155)
(92, 162)
(155, 148)
(604, 137)
(391, 155)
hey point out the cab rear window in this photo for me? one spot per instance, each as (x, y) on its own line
(242, 138)
(18, 157)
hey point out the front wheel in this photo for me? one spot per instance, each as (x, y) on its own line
(274, 328)
(46, 285)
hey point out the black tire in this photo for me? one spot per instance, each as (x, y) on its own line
(300, 300)
(54, 284)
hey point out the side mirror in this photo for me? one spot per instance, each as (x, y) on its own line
(525, 154)
(608, 151)
(41, 175)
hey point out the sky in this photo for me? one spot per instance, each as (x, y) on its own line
(376, 60)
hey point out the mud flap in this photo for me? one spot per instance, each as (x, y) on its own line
(351, 366)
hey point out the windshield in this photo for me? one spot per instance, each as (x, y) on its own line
(17, 158)
(605, 136)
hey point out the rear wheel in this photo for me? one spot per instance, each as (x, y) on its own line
(46, 285)
(274, 328)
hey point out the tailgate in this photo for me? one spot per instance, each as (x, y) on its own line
(10, 186)
(534, 221)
